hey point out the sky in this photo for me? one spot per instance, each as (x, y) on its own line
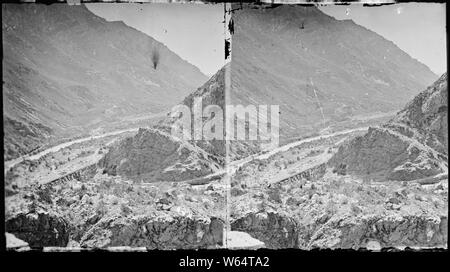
(195, 32)
(419, 29)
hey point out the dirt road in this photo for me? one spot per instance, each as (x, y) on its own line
(11, 163)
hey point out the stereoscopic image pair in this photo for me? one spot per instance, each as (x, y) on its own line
(218, 125)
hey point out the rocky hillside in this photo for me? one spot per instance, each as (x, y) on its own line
(291, 199)
(321, 71)
(428, 113)
(66, 70)
(413, 145)
(211, 93)
(155, 155)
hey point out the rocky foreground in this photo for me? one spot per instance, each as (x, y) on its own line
(339, 212)
(107, 211)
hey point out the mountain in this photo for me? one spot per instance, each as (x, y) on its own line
(154, 154)
(411, 146)
(319, 70)
(67, 71)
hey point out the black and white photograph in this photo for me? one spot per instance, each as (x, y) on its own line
(206, 125)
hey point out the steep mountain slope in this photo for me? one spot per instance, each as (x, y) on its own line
(413, 145)
(320, 71)
(156, 155)
(66, 69)
(213, 94)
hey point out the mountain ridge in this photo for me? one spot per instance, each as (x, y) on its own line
(308, 62)
(71, 71)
